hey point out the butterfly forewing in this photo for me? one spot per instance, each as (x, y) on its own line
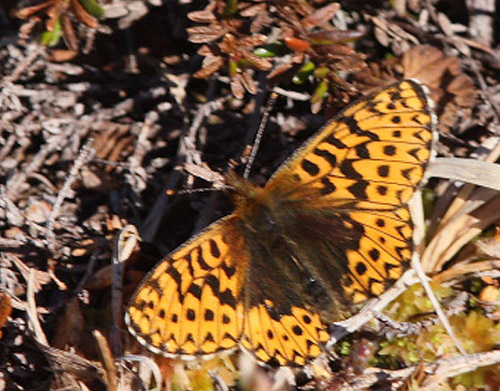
(367, 163)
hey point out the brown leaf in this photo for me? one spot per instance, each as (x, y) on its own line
(462, 87)
(27, 12)
(426, 63)
(53, 13)
(237, 86)
(204, 34)
(260, 21)
(205, 50)
(5, 309)
(321, 15)
(252, 41)
(451, 89)
(259, 62)
(83, 16)
(203, 16)
(69, 34)
(329, 37)
(211, 64)
(254, 10)
(248, 82)
(62, 55)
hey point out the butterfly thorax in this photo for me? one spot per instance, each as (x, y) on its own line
(275, 225)
(260, 209)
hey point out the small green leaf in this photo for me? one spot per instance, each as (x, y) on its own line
(93, 8)
(52, 38)
(233, 68)
(272, 50)
(321, 72)
(320, 92)
(303, 73)
(345, 348)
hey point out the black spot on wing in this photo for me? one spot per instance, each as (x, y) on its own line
(358, 190)
(329, 157)
(311, 168)
(347, 168)
(214, 249)
(328, 186)
(383, 171)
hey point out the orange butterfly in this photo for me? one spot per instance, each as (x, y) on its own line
(330, 229)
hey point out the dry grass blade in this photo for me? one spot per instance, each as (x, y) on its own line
(480, 175)
(469, 214)
(466, 170)
(462, 271)
(110, 371)
(457, 232)
(34, 322)
(70, 367)
(125, 243)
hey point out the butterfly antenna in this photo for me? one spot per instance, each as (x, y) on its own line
(260, 132)
(172, 192)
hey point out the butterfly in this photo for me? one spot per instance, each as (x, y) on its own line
(329, 230)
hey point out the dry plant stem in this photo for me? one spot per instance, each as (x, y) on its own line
(348, 326)
(437, 372)
(33, 320)
(127, 106)
(461, 271)
(53, 144)
(89, 269)
(110, 371)
(125, 243)
(24, 65)
(409, 328)
(86, 154)
(417, 213)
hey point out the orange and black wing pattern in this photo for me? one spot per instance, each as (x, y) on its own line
(362, 168)
(329, 230)
(189, 304)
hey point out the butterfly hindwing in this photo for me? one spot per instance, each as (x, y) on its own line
(189, 304)
(292, 339)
